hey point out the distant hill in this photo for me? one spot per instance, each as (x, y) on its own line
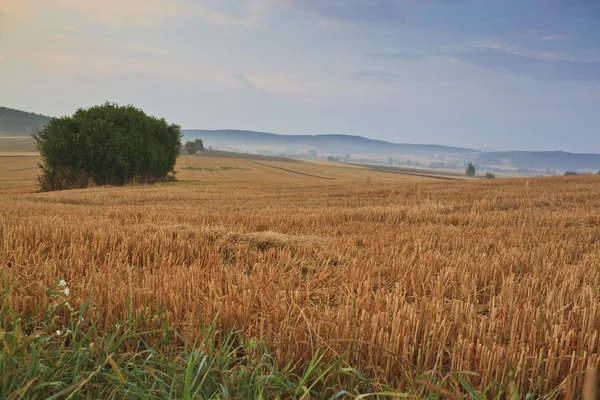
(543, 160)
(20, 123)
(338, 144)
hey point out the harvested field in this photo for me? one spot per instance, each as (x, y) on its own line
(409, 279)
(16, 143)
(19, 169)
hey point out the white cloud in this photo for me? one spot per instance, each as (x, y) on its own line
(554, 37)
(305, 87)
(540, 55)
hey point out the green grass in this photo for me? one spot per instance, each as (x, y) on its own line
(65, 354)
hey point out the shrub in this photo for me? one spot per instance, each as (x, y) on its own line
(490, 175)
(568, 173)
(190, 148)
(470, 171)
(106, 145)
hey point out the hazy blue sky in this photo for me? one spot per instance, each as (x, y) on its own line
(500, 74)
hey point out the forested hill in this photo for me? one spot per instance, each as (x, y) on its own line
(325, 143)
(20, 123)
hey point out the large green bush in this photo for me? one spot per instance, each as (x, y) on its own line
(106, 145)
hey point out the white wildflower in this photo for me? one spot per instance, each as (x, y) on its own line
(68, 332)
(66, 291)
(58, 333)
(62, 283)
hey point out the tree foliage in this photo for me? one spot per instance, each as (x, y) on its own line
(199, 145)
(470, 171)
(106, 145)
(490, 175)
(190, 148)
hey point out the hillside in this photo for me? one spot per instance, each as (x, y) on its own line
(20, 123)
(543, 160)
(338, 144)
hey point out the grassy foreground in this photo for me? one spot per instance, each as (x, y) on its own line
(63, 355)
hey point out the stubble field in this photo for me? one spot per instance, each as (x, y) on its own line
(407, 278)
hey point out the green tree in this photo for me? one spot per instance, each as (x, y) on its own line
(199, 145)
(489, 175)
(106, 145)
(470, 171)
(190, 148)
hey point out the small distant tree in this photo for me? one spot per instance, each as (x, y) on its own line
(470, 171)
(199, 145)
(333, 159)
(569, 173)
(598, 172)
(190, 147)
(390, 161)
(490, 175)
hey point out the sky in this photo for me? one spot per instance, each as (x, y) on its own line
(483, 74)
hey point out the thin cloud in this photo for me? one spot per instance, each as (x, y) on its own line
(536, 68)
(111, 13)
(374, 11)
(362, 11)
(244, 82)
(554, 37)
(541, 55)
(373, 75)
(70, 28)
(395, 56)
(138, 48)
